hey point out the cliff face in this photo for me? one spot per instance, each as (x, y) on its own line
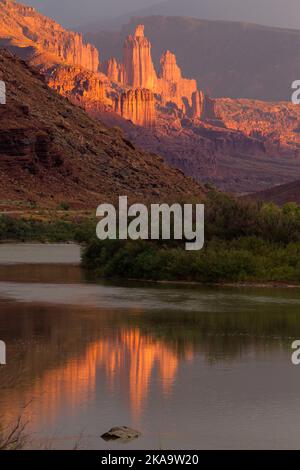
(238, 145)
(113, 70)
(52, 151)
(78, 85)
(176, 89)
(220, 54)
(139, 70)
(23, 27)
(137, 105)
(132, 88)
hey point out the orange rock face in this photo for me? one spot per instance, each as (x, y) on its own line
(137, 105)
(132, 88)
(52, 151)
(113, 70)
(139, 70)
(239, 145)
(176, 89)
(23, 26)
(73, 82)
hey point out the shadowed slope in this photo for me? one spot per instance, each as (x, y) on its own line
(51, 150)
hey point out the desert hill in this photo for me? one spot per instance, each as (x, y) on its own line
(52, 151)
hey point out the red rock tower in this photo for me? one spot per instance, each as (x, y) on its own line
(139, 70)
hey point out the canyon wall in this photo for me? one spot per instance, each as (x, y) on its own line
(137, 105)
(23, 26)
(137, 72)
(132, 88)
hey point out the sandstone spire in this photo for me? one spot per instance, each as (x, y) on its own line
(169, 69)
(173, 87)
(113, 70)
(198, 100)
(139, 70)
(139, 31)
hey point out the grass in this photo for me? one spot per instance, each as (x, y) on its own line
(14, 438)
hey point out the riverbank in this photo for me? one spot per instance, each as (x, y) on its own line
(240, 285)
(246, 243)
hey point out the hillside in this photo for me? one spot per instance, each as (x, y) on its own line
(52, 151)
(235, 60)
(280, 195)
(239, 146)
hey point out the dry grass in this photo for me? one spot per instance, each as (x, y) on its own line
(14, 438)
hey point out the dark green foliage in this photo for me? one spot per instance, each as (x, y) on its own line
(245, 241)
(55, 231)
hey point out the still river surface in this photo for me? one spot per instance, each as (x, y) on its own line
(189, 367)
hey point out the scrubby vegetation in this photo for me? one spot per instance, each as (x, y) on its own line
(245, 241)
(27, 230)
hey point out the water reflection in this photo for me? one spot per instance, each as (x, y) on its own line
(54, 362)
(155, 358)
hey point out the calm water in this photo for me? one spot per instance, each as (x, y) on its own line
(188, 367)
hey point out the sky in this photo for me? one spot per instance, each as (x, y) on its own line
(75, 12)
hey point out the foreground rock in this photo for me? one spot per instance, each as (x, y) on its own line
(121, 434)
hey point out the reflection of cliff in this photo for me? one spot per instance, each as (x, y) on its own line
(63, 352)
(128, 361)
(74, 383)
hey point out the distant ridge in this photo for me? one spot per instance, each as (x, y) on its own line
(280, 195)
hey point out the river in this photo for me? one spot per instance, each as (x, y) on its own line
(189, 367)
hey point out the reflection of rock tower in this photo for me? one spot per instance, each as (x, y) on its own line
(139, 70)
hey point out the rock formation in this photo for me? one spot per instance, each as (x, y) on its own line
(79, 85)
(52, 151)
(174, 88)
(137, 105)
(139, 70)
(238, 145)
(113, 70)
(22, 26)
(132, 88)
